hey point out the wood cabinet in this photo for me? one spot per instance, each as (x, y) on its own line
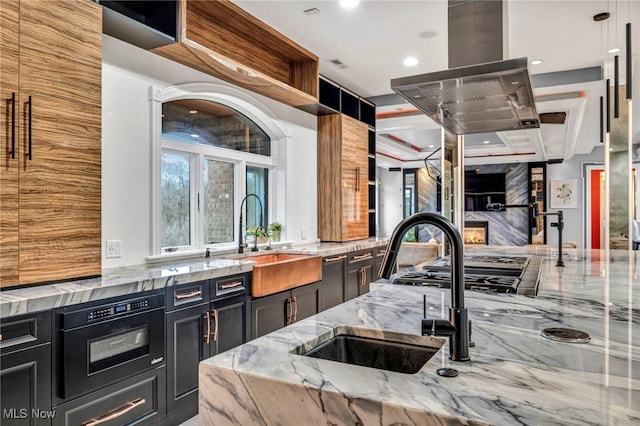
(25, 369)
(203, 319)
(139, 400)
(275, 311)
(359, 274)
(221, 39)
(50, 140)
(334, 272)
(343, 195)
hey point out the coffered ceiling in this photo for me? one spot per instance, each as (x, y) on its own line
(363, 49)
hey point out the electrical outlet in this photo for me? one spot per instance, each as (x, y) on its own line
(113, 248)
(304, 233)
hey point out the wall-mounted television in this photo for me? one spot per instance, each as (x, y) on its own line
(481, 189)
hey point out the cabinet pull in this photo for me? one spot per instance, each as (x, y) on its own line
(295, 309)
(362, 256)
(208, 333)
(215, 327)
(194, 293)
(29, 138)
(231, 285)
(334, 259)
(13, 125)
(289, 310)
(382, 253)
(116, 413)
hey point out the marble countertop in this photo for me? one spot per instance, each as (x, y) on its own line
(515, 375)
(138, 278)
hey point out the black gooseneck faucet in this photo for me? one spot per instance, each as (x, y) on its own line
(457, 328)
(560, 225)
(240, 239)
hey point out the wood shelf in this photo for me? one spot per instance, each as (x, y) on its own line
(223, 40)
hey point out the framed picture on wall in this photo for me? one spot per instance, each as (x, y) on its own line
(563, 194)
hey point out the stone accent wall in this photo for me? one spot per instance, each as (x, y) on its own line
(219, 220)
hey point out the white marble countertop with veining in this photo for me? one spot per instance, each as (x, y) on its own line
(515, 375)
(138, 278)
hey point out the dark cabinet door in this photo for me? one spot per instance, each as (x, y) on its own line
(305, 301)
(229, 323)
(25, 381)
(359, 274)
(377, 262)
(269, 313)
(188, 337)
(332, 284)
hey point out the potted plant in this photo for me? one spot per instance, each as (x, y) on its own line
(274, 230)
(258, 232)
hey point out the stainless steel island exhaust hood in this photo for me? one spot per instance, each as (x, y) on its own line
(488, 97)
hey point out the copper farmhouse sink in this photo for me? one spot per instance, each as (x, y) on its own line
(276, 272)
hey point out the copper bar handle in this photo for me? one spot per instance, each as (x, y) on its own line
(382, 253)
(364, 279)
(29, 133)
(362, 272)
(231, 285)
(116, 413)
(335, 259)
(188, 295)
(362, 256)
(208, 333)
(289, 310)
(295, 309)
(215, 327)
(13, 125)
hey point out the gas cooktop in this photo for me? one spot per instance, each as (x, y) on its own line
(493, 273)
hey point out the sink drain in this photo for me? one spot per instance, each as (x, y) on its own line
(567, 335)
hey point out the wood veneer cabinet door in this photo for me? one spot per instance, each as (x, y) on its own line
(342, 178)
(9, 147)
(59, 141)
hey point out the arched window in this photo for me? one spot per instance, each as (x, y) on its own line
(214, 150)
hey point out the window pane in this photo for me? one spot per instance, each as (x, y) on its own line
(257, 183)
(218, 202)
(210, 123)
(176, 201)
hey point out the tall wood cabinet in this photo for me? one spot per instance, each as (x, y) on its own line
(50, 137)
(343, 182)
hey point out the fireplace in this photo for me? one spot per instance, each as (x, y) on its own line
(476, 232)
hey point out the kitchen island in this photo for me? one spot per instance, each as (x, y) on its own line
(515, 375)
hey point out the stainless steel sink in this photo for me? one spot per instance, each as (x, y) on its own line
(396, 352)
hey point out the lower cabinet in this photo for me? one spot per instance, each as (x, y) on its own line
(209, 317)
(137, 400)
(378, 255)
(332, 284)
(25, 386)
(359, 273)
(25, 370)
(275, 311)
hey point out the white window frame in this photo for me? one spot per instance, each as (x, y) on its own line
(244, 104)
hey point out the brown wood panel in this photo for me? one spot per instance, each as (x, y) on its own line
(60, 190)
(329, 177)
(8, 165)
(342, 197)
(355, 196)
(221, 39)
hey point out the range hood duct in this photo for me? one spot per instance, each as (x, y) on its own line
(488, 96)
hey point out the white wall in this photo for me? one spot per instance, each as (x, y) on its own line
(390, 200)
(128, 72)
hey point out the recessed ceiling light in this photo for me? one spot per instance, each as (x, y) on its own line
(193, 111)
(194, 136)
(614, 50)
(486, 142)
(430, 146)
(536, 62)
(428, 34)
(349, 3)
(410, 62)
